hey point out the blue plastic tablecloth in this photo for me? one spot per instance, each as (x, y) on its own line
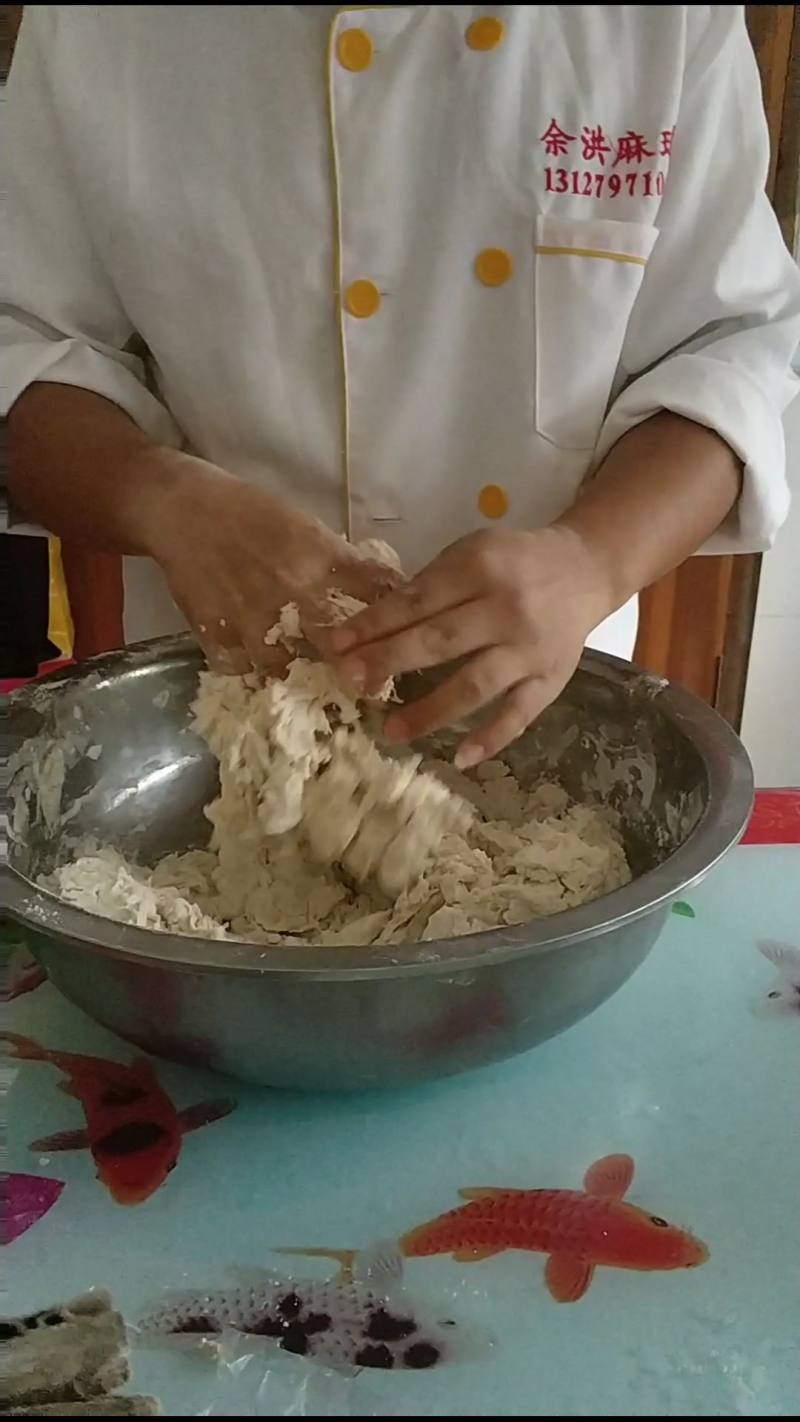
(693, 1069)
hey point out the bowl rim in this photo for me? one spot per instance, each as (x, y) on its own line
(721, 825)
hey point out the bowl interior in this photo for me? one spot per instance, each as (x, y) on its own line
(106, 755)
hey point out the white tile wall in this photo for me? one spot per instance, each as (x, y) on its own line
(771, 723)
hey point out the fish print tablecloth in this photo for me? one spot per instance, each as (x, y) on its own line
(693, 1070)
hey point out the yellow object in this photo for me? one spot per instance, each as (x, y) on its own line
(590, 252)
(347, 511)
(486, 33)
(493, 501)
(354, 50)
(362, 298)
(60, 629)
(493, 266)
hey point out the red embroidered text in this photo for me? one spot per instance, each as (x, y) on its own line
(594, 143)
(632, 148)
(582, 182)
(555, 140)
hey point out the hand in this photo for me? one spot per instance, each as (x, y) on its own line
(518, 605)
(234, 555)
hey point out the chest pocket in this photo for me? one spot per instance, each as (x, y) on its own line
(587, 277)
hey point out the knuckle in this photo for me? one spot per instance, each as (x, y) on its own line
(484, 557)
(435, 641)
(364, 626)
(474, 685)
(412, 597)
(517, 604)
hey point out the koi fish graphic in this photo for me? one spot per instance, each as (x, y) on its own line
(27, 1199)
(785, 996)
(361, 1318)
(133, 1130)
(578, 1230)
(24, 974)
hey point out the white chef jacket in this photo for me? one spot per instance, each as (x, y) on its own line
(416, 267)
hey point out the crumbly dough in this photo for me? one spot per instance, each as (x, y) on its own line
(294, 755)
(525, 855)
(318, 835)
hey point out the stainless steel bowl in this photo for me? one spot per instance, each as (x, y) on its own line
(105, 751)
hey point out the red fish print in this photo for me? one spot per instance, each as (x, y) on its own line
(27, 1199)
(132, 1128)
(577, 1229)
(24, 974)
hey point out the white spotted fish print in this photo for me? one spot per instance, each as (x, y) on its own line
(361, 1318)
(784, 997)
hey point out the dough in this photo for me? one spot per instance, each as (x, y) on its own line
(294, 755)
(525, 855)
(318, 835)
(105, 883)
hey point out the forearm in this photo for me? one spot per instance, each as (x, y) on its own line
(85, 471)
(663, 489)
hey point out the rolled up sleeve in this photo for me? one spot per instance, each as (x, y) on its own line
(60, 318)
(716, 326)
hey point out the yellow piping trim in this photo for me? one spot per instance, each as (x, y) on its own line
(347, 517)
(347, 513)
(60, 630)
(589, 252)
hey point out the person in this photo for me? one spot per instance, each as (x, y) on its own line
(499, 286)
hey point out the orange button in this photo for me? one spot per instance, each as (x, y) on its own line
(493, 266)
(486, 33)
(354, 50)
(493, 501)
(362, 298)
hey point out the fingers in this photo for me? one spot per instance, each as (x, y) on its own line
(483, 678)
(244, 657)
(518, 709)
(273, 660)
(234, 643)
(227, 661)
(362, 578)
(219, 638)
(439, 639)
(436, 589)
(315, 620)
(369, 580)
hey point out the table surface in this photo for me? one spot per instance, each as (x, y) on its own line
(693, 1069)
